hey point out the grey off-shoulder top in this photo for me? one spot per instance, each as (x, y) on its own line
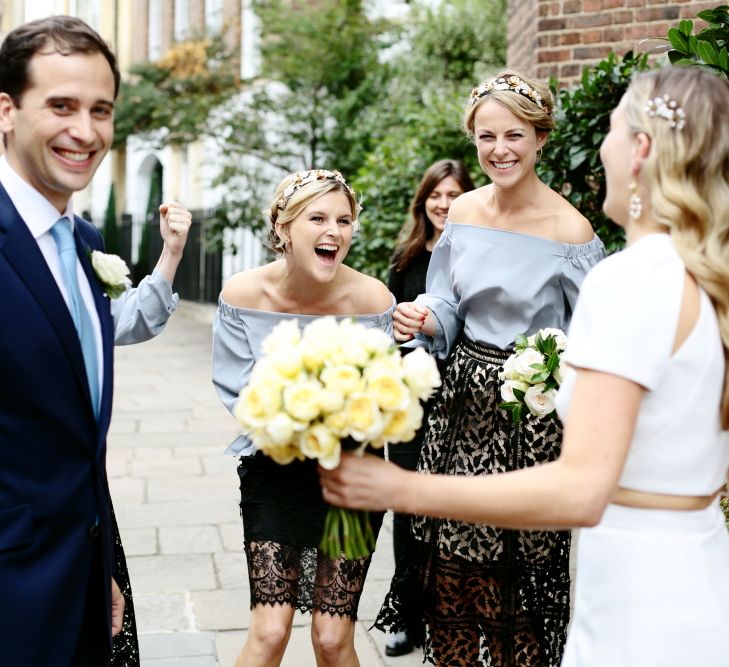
(494, 284)
(237, 337)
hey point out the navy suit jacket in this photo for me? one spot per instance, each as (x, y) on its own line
(53, 484)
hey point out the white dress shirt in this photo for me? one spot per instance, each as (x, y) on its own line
(40, 215)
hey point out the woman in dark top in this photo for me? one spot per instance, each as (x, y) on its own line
(441, 183)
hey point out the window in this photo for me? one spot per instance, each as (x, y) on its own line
(154, 26)
(182, 20)
(214, 16)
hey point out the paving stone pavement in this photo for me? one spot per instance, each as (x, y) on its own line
(176, 500)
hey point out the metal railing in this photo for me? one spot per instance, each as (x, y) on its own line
(199, 277)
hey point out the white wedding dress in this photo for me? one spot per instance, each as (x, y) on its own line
(653, 585)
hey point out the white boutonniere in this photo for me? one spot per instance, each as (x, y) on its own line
(112, 272)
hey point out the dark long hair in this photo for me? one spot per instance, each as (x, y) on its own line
(418, 230)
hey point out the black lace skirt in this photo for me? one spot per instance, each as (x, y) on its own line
(487, 596)
(125, 647)
(283, 521)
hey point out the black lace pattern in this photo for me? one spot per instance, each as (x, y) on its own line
(304, 578)
(125, 647)
(283, 521)
(488, 596)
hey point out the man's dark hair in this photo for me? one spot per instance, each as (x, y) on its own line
(63, 34)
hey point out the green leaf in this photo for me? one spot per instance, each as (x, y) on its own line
(678, 40)
(686, 26)
(707, 53)
(521, 340)
(724, 59)
(519, 394)
(540, 377)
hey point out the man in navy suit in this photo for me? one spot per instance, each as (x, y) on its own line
(59, 601)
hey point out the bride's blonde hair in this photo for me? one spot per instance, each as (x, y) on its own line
(687, 173)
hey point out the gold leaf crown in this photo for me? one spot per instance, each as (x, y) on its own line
(513, 83)
(302, 178)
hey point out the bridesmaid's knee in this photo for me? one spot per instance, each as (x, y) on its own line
(332, 637)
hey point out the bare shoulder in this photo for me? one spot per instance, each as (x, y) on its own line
(369, 295)
(571, 226)
(465, 208)
(247, 288)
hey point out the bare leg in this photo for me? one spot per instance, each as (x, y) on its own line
(268, 635)
(333, 640)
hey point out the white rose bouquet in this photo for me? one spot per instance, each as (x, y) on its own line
(338, 385)
(533, 374)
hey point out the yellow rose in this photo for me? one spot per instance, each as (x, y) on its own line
(318, 442)
(280, 429)
(322, 329)
(314, 354)
(387, 388)
(402, 425)
(364, 417)
(257, 403)
(330, 400)
(284, 335)
(421, 373)
(301, 400)
(342, 378)
(347, 350)
(284, 455)
(376, 342)
(337, 424)
(287, 361)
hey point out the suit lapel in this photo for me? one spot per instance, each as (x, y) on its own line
(23, 254)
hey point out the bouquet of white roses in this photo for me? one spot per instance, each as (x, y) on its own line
(533, 373)
(336, 385)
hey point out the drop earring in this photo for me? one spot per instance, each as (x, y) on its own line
(635, 205)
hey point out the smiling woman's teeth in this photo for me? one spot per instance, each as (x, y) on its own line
(504, 165)
(327, 248)
(76, 157)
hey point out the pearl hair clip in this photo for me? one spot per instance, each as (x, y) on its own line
(513, 83)
(665, 107)
(302, 178)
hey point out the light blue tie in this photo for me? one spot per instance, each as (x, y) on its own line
(63, 237)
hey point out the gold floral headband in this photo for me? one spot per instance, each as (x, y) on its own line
(668, 109)
(513, 83)
(302, 178)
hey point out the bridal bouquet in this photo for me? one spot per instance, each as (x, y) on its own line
(337, 385)
(532, 374)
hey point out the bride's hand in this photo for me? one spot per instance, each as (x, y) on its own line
(362, 482)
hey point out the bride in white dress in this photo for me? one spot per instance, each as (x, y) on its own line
(645, 402)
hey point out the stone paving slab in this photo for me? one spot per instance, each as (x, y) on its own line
(176, 500)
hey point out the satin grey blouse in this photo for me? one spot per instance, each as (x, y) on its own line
(494, 284)
(237, 337)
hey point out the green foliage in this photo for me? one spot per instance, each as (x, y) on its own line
(708, 47)
(725, 508)
(416, 119)
(170, 101)
(316, 59)
(390, 174)
(571, 163)
(110, 230)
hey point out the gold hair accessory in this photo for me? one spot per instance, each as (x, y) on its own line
(513, 83)
(665, 107)
(302, 178)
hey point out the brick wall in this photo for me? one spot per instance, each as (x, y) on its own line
(561, 37)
